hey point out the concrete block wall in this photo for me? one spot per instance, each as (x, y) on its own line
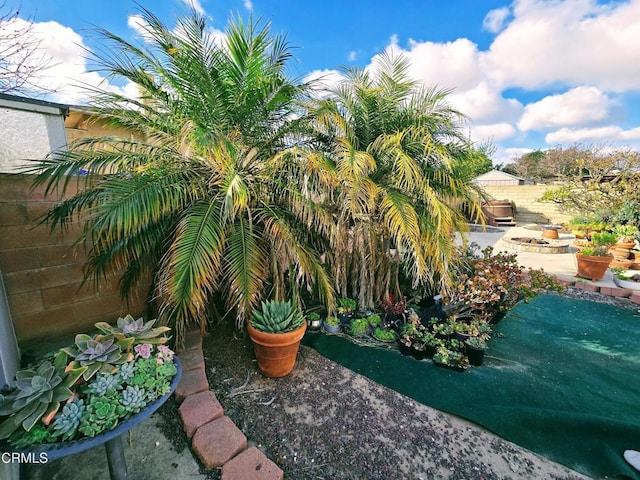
(43, 271)
(528, 208)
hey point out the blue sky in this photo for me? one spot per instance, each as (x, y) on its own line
(530, 74)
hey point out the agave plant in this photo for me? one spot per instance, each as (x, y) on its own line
(140, 331)
(101, 353)
(37, 395)
(277, 317)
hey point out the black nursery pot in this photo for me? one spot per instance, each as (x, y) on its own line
(475, 356)
(404, 350)
(345, 318)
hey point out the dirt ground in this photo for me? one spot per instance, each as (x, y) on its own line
(324, 421)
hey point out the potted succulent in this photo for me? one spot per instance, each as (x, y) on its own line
(90, 390)
(346, 307)
(475, 348)
(374, 320)
(332, 325)
(276, 330)
(626, 235)
(384, 335)
(594, 260)
(452, 359)
(359, 327)
(314, 322)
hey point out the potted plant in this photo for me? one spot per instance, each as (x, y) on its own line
(475, 348)
(394, 313)
(85, 391)
(411, 335)
(594, 260)
(276, 330)
(346, 307)
(314, 322)
(332, 325)
(451, 359)
(384, 335)
(626, 235)
(359, 327)
(374, 320)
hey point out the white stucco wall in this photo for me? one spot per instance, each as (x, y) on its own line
(28, 132)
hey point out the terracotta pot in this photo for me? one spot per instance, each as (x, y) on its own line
(621, 263)
(276, 352)
(620, 252)
(625, 244)
(592, 267)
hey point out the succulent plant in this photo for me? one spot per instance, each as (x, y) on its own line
(140, 331)
(133, 399)
(105, 383)
(126, 371)
(68, 420)
(102, 413)
(37, 395)
(101, 353)
(277, 317)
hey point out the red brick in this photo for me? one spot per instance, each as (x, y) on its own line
(199, 409)
(635, 298)
(251, 464)
(192, 381)
(192, 359)
(217, 442)
(193, 340)
(621, 292)
(606, 291)
(565, 281)
(589, 287)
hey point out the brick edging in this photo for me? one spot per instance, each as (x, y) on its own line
(589, 286)
(215, 439)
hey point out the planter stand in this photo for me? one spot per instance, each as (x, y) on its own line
(111, 439)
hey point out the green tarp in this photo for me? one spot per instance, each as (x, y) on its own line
(561, 378)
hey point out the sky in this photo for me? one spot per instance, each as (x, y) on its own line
(528, 74)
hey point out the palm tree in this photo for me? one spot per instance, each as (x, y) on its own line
(208, 197)
(392, 150)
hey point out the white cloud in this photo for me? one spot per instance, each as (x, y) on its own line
(494, 20)
(324, 80)
(484, 104)
(571, 42)
(196, 5)
(492, 133)
(579, 106)
(353, 55)
(612, 133)
(248, 5)
(138, 25)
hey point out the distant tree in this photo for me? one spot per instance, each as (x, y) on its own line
(473, 160)
(21, 53)
(600, 182)
(554, 164)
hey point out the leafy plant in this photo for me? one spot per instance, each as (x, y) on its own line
(604, 239)
(626, 232)
(384, 335)
(359, 327)
(333, 321)
(374, 320)
(394, 308)
(277, 317)
(346, 305)
(139, 330)
(313, 316)
(451, 357)
(477, 343)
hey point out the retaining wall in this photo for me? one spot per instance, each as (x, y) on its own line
(528, 208)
